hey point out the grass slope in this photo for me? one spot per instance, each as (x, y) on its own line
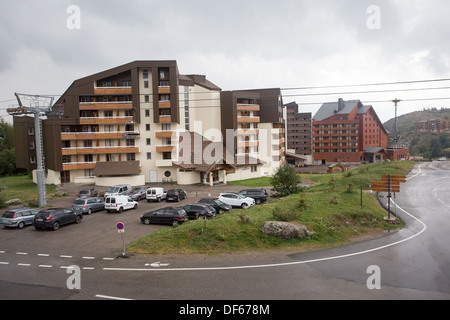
(332, 211)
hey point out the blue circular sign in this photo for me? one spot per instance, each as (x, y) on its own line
(120, 226)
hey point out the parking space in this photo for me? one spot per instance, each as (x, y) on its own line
(97, 235)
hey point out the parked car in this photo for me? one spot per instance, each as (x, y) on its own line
(175, 195)
(138, 193)
(260, 195)
(118, 190)
(53, 218)
(119, 203)
(169, 215)
(196, 210)
(88, 193)
(156, 194)
(236, 200)
(18, 218)
(216, 204)
(88, 205)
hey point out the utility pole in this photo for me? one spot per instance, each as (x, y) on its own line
(396, 135)
(37, 111)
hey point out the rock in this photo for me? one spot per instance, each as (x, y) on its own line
(286, 230)
(13, 201)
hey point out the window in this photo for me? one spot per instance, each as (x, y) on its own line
(167, 155)
(148, 141)
(131, 156)
(89, 158)
(147, 113)
(146, 84)
(149, 156)
(254, 168)
(147, 127)
(145, 74)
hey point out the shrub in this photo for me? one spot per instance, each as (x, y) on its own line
(285, 181)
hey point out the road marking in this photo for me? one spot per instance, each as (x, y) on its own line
(22, 253)
(2, 251)
(43, 255)
(110, 297)
(4, 263)
(89, 258)
(424, 227)
(45, 266)
(108, 258)
(88, 268)
(64, 256)
(24, 264)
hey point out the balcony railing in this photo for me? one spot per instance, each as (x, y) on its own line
(97, 135)
(248, 119)
(99, 150)
(105, 120)
(113, 90)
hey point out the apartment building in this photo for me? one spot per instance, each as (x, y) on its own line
(298, 130)
(433, 125)
(126, 124)
(253, 127)
(348, 131)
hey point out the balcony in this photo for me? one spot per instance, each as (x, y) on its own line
(165, 148)
(165, 134)
(164, 105)
(112, 105)
(163, 90)
(65, 136)
(247, 107)
(248, 119)
(78, 166)
(247, 131)
(112, 90)
(254, 143)
(165, 119)
(105, 120)
(99, 150)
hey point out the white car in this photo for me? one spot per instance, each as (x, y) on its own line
(119, 203)
(156, 194)
(236, 200)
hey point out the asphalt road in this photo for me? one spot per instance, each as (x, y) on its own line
(412, 263)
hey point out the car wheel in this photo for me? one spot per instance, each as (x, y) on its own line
(175, 223)
(120, 209)
(89, 211)
(77, 219)
(244, 205)
(258, 201)
(178, 199)
(147, 221)
(56, 225)
(21, 225)
(135, 206)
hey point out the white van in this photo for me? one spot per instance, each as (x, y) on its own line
(118, 190)
(119, 203)
(155, 194)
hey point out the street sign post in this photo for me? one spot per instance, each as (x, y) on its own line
(121, 229)
(389, 183)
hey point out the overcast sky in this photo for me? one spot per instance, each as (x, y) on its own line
(240, 44)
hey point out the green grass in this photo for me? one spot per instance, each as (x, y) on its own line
(253, 183)
(332, 211)
(21, 187)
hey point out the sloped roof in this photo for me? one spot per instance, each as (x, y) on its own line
(330, 109)
(197, 79)
(200, 154)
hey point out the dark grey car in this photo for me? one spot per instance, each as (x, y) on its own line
(53, 218)
(18, 218)
(138, 193)
(88, 205)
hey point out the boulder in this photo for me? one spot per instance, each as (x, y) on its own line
(286, 230)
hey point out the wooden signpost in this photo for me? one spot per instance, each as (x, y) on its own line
(389, 184)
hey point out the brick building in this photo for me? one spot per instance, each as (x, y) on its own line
(347, 131)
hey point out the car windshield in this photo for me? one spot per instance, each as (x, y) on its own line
(113, 190)
(218, 202)
(78, 201)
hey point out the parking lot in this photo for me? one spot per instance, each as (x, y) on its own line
(97, 235)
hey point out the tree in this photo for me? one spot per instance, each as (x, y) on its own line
(285, 181)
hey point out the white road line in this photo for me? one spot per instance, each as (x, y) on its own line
(2, 251)
(43, 255)
(64, 256)
(108, 258)
(89, 258)
(4, 263)
(22, 253)
(88, 268)
(24, 264)
(286, 263)
(45, 266)
(110, 297)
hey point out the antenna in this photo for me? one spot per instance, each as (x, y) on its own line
(39, 106)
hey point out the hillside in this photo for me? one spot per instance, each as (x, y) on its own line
(428, 145)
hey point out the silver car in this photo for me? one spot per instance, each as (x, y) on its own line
(87, 205)
(18, 218)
